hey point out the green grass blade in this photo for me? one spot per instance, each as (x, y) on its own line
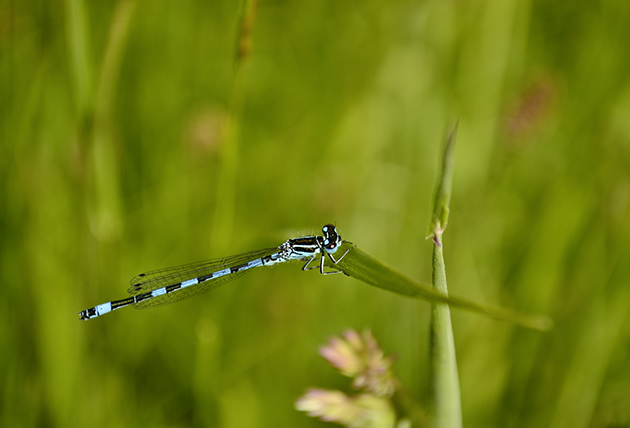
(442, 198)
(447, 396)
(444, 373)
(360, 265)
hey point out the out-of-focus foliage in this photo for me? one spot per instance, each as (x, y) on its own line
(133, 138)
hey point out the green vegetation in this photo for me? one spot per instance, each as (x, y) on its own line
(141, 135)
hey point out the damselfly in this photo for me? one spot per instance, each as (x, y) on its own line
(166, 286)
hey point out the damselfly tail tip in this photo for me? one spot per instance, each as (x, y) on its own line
(85, 315)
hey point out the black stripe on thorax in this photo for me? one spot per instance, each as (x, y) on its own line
(307, 241)
(307, 244)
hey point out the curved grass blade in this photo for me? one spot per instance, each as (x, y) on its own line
(360, 265)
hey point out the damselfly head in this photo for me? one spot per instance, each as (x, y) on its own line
(332, 239)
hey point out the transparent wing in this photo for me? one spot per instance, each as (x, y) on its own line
(153, 280)
(185, 293)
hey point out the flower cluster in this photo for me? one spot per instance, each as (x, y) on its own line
(357, 356)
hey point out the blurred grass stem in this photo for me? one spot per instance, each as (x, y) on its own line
(226, 182)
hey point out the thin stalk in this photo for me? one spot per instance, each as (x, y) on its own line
(445, 379)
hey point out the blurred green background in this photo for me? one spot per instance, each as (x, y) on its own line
(134, 138)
